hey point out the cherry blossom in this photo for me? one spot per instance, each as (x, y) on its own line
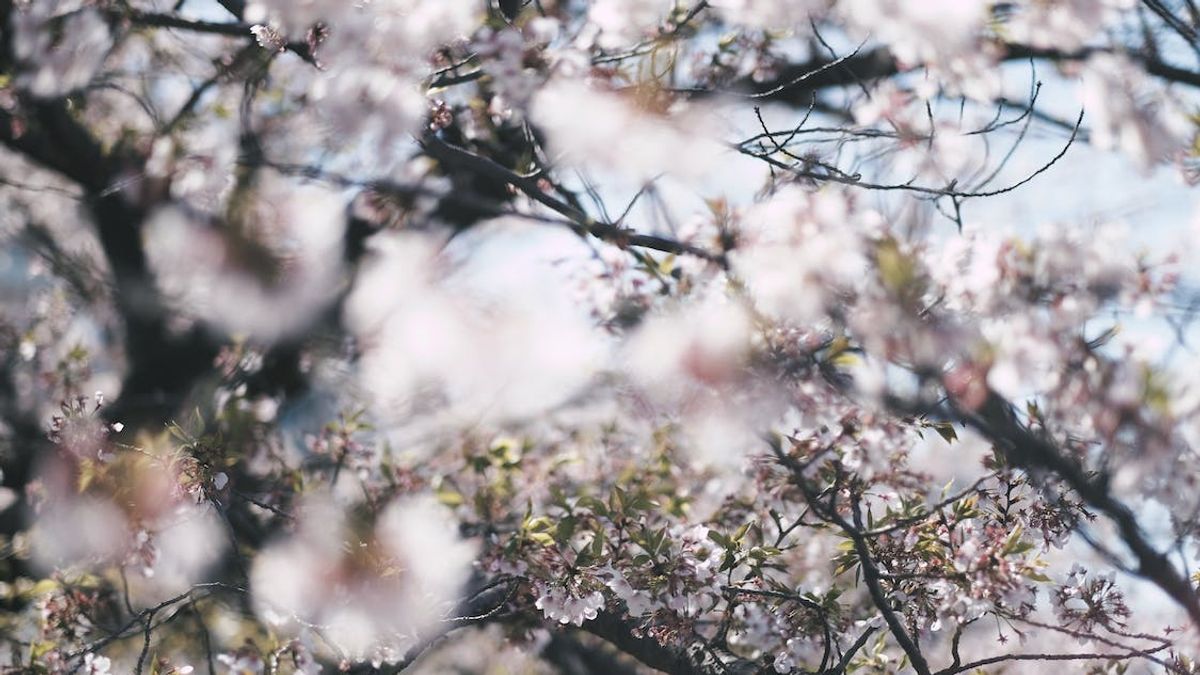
(709, 337)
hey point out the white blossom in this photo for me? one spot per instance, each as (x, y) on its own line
(944, 35)
(64, 46)
(1061, 24)
(94, 664)
(1130, 114)
(565, 607)
(801, 249)
(589, 127)
(625, 22)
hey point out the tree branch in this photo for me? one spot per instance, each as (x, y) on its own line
(797, 83)
(454, 157)
(669, 659)
(997, 422)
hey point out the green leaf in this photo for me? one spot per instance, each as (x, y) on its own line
(592, 504)
(43, 587)
(597, 546)
(1014, 545)
(616, 501)
(945, 430)
(539, 524)
(897, 270)
(449, 497)
(741, 533)
(87, 473)
(565, 529)
(542, 538)
(40, 649)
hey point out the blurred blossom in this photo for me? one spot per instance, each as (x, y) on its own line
(892, 104)
(704, 343)
(1025, 358)
(412, 334)
(82, 435)
(268, 281)
(8, 497)
(483, 355)
(79, 531)
(377, 588)
(770, 14)
(968, 267)
(1185, 401)
(206, 174)
(721, 433)
(410, 530)
(242, 662)
(950, 155)
(403, 269)
(797, 651)
(412, 25)
(291, 17)
(373, 57)
(1066, 25)
(668, 444)
(870, 378)
(589, 127)
(944, 35)
(800, 249)
(505, 51)
(536, 360)
(624, 23)
(130, 510)
(928, 456)
(184, 545)
(692, 363)
(938, 150)
(63, 44)
(394, 98)
(1129, 113)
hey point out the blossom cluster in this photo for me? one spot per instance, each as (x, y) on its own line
(420, 326)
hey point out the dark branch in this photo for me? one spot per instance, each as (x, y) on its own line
(456, 158)
(996, 421)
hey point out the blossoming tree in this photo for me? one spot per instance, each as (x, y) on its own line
(592, 336)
